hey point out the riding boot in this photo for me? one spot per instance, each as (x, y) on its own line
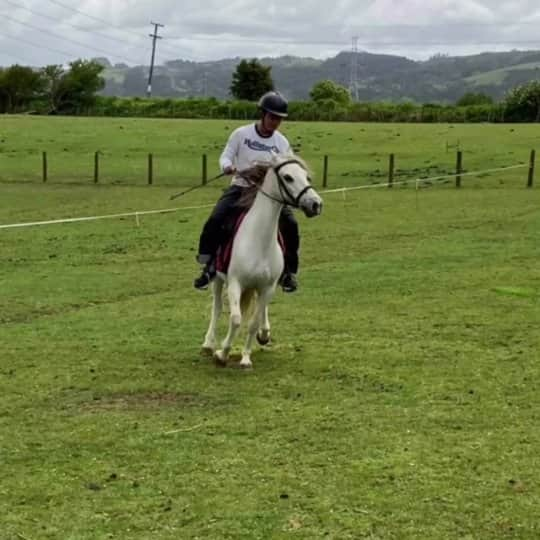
(288, 227)
(288, 282)
(207, 275)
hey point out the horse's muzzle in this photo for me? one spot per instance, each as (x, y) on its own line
(312, 207)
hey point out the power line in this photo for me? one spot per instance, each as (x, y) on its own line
(374, 43)
(377, 27)
(495, 41)
(103, 21)
(444, 25)
(79, 43)
(448, 24)
(80, 28)
(97, 19)
(284, 41)
(22, 40)
(454, 43)
(17, 58)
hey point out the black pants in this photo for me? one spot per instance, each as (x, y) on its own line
(214, 229)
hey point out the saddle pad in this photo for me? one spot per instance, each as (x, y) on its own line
(223, 257)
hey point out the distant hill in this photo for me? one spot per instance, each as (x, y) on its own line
(381, 77)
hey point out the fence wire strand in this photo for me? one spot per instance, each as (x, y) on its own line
(343, 190)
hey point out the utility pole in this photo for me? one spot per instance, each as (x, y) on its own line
(154, 37)
(353, 83)
(205, 84)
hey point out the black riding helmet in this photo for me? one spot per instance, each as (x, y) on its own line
(274, 103)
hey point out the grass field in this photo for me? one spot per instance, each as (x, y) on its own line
(358, 153)
(398, 400)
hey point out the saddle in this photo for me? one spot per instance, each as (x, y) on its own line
(223, 256)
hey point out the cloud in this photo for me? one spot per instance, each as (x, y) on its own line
(56, 31)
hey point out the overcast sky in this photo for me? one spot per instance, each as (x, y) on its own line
(40, 32)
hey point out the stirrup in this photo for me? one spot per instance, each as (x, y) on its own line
(203, 280)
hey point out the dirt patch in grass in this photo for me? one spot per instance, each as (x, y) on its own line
(144, 400)
(31, 315)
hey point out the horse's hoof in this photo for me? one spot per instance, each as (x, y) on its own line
(207, 351)
(263, 340)
(245, 363)
(220, 359)
(245, 367)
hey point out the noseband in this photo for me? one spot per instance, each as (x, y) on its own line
(287, 198)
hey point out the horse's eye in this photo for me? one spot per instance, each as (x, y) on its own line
(288, 178)
(310, 180)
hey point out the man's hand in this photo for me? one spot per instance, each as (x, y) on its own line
(229, 170)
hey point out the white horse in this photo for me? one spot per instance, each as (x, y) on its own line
(256, 258)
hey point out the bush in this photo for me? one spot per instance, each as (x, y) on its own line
(522, 104)
(324, 110)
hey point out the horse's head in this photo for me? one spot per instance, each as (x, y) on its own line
(292, 185)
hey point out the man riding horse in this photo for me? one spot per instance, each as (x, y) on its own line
(247, 145)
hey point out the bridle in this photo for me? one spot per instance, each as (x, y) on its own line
(287, 198)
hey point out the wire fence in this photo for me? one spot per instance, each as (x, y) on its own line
(162, 169)
(417, 182)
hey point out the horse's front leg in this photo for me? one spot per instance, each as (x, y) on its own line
(263, 335)
(209, 344)
(235, 292)
(260, 317)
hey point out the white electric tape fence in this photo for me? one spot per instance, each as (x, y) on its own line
(137, 215)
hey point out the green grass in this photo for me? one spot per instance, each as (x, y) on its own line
(358, 153)
(398, 400)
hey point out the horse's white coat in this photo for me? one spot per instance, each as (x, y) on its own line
(257, 260)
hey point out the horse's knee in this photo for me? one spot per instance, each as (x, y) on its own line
(236, 319)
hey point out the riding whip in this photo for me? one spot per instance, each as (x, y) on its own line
(221, 175)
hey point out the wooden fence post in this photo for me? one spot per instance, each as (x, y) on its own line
(325, 172)
(150, 169)
(531, 168)
(44, 163)
(96, 167)
(459, 168)
(204, 170)
(391, 171)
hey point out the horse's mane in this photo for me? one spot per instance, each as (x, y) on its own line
(257, 172)
(255, 177)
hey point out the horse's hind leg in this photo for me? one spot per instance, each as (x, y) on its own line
(235, 292)
(209, 344)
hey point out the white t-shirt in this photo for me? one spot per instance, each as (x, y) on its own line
(246, 145)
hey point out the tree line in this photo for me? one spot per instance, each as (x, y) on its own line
(52, 89)
(74, 90)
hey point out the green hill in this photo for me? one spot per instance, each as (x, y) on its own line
(380, 77)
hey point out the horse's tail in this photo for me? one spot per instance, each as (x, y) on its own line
(247, 302)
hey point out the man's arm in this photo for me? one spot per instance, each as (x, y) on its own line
(226, 160)
(287, 148)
